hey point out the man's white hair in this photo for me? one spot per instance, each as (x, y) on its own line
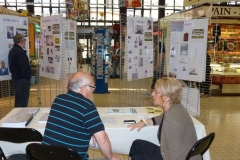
(75, 85)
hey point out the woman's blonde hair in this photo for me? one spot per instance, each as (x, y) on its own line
(169, 87)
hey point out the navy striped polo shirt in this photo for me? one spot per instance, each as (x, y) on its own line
(72, 120)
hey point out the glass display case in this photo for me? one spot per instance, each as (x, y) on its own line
(225, 53)
(225, 73)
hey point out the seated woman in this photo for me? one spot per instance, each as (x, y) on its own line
(176, 132)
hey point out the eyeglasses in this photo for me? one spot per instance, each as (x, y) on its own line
(93, 87)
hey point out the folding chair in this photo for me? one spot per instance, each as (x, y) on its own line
(36, 151)
(19, 135)
(201, 146)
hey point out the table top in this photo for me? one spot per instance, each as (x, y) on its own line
(114, 127)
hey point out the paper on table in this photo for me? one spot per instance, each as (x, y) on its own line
(120, 111)
(18, 121)
(44, 118)
(21, 118)
(154, 110)
(25, 111)
(109, 120)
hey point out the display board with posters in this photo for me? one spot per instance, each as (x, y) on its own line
(9, 27)
(51, 47)
(139, 48)
(69, 46)
(58, 47)
(188, 47)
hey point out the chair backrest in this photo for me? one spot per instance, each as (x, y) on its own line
(36, 151)
(201, 146)
(20, 135)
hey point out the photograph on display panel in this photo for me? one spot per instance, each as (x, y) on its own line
(22, 31)
(4, 68)
(10, 32)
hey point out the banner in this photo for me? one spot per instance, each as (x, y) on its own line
(51, 47)
(188, 49)
(139, 48)
(58, 47)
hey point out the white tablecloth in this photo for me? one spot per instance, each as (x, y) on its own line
(120, 136)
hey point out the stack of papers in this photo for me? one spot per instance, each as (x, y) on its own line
(44, 118)
(21, 118)
(120, 111)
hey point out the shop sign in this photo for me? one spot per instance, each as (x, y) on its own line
(225, 11)
(197, 2)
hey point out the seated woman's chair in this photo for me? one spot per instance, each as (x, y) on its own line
(36, 151)
(201, 146)
(18, 135)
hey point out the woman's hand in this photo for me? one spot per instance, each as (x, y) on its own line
(138, 125)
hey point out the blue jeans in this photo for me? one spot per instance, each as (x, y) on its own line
(116, 64)
(21, 87)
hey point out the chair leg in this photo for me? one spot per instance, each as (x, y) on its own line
(2, 155)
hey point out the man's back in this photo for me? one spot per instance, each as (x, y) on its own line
(19, 64)
(72, 121)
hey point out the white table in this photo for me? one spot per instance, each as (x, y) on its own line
(120, 136)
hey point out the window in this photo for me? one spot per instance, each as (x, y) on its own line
(109, 8)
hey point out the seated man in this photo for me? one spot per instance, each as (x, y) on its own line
(73, 119)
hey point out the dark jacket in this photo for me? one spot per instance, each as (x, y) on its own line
(19, 63)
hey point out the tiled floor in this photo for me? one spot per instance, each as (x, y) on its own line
(219, 114)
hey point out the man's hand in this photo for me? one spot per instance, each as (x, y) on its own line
(115, 58)
(138, 125)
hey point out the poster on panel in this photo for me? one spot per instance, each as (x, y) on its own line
(69, 46)
(139, 48)
(188, 48)
(51, 48)
(9, 27)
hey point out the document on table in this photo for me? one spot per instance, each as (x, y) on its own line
(109, 120)
(21, 118)
(120, 111)
(44, 118)
(154, 110)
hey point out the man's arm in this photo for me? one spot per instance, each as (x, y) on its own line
(105, 145)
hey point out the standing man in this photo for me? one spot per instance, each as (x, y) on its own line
(116, 60)
(21, 71)
(73, 119)
(3, 70)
